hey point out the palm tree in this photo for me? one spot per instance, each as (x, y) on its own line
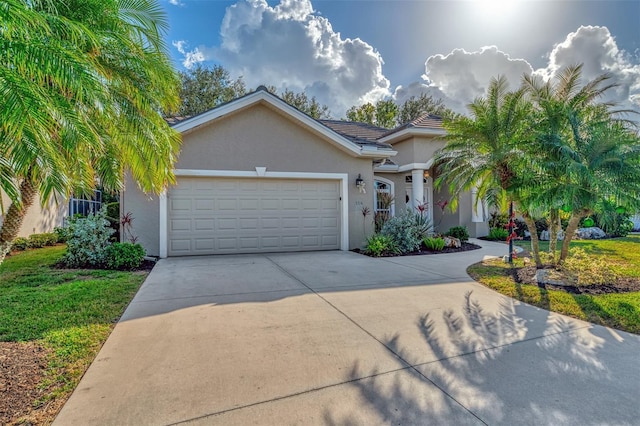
(582, 148)
(485, 151)
(83, 85)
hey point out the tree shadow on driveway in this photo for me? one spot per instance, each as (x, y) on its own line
(504, 371)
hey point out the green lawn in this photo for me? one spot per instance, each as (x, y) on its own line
(621, 311)
(69, 312)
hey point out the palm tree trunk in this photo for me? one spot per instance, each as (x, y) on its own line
(535, 244)
(574, 222)
(553, 233)
(15, 216)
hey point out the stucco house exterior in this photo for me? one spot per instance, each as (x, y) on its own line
(257, 175)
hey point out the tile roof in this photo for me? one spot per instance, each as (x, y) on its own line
(177, 119)
(425, 121)
(354, 129)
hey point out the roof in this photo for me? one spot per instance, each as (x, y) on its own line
(172, 121)
(355, 129)
(424, 121)
(360, 133)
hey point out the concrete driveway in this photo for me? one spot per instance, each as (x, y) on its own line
(342, 339)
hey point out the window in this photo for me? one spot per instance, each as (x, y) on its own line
(383, 197)
(84, 206)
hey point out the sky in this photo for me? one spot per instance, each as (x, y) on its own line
(348, 52)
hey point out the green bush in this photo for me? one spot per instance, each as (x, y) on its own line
(588, 270)
(20, 243)
(498, 220)
(62, 234)
(88, 241)
(498, 234)
(407, 230)
(459, 232)
(41, 240)
(433, 243)
(125, 256)
(378, 245)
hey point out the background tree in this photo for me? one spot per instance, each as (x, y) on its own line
(383, 114)
(365, 113)
(83, 83)
(388, 114)
(414, 107)
(204, 88)
(309, 106)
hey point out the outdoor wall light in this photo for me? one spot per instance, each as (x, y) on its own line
(426, 174)
(360, 184)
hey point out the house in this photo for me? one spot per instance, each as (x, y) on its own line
(257, 175)
(45, 218)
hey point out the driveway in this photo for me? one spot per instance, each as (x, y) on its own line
(342, 339)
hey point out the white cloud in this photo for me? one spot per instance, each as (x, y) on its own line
(460, 76)
(290, 46)
(176, 2)
(191, 57)
(597, 50)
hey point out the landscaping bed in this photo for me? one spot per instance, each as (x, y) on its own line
(464, 246)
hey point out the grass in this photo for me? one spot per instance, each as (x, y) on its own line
(620, 311)
(69, 312)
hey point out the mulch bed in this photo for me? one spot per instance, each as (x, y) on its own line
(527, 275)
(22, 367)
(423, 251)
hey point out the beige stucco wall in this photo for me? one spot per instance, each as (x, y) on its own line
(257, 137)
(416, 149)
(39, 218)
(145, 210)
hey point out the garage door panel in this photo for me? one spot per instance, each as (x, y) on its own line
(204, 244)
(204, 224)
(226, 223)
(180, 225)
(203, 205)
(226, 215)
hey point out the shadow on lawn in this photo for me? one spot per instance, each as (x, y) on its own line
(504, 370)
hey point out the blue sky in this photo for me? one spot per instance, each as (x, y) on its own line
(350, 52)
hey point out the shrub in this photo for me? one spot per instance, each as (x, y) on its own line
(459, 232)
(125, 256)
(88, 241)
(521, 227)
(41, 240)
(424, 224)
(62, 234)
(612, 219)
(407, 230)
(498, 234)
(588, 270)
(498, 220)
(378, 245)
(20, 243)
(433, 243)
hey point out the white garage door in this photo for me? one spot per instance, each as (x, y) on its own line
(229, 215)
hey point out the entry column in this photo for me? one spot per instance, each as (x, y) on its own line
(417, 188)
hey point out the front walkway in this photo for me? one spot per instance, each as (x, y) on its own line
(340, 338)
